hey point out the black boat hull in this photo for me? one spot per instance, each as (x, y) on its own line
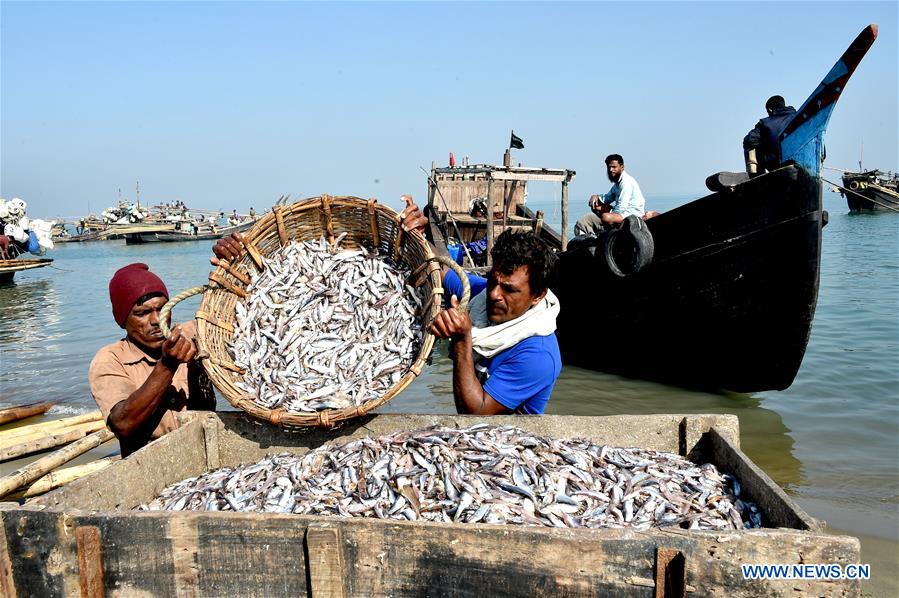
(727, 301)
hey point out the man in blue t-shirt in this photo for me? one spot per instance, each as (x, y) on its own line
(504, 350)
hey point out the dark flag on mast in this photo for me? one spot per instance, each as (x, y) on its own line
(516, 142)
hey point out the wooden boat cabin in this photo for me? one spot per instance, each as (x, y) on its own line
(462, 200)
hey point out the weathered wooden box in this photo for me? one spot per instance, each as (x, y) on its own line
(84, 539)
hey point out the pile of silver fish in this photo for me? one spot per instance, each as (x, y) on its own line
(485, 473)
(325, 328)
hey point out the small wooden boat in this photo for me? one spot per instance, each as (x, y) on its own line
(8, 268)
(728, 297)
(871, 190)
(458, 208)
(187, 232)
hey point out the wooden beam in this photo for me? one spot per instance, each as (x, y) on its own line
(490, 222)
(491, 168)
(325, 561)
(61, 477)
(7, 579)
(516, 176)
(53, 439)
(11, 414)
(40, 467)
(90, 561)
(564, 231)
(538, 223)
(671, 574)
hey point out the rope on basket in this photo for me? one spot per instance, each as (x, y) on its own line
(373, 223)
(167, 308)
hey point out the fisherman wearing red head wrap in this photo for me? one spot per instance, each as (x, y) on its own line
(140, 381)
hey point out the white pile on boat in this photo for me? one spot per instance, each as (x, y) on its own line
(32, 235)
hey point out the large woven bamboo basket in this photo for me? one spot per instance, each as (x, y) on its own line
(366, 223)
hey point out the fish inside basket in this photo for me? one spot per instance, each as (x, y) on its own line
(323, 228)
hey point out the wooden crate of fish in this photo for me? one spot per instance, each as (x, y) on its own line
(91, 537)
(324, 315)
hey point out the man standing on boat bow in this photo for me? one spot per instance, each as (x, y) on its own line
(504, 350)
(140, 381)
(610, 209)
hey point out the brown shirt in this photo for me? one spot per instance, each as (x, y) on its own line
(119, 369)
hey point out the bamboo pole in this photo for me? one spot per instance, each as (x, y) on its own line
(36, 445)
(564, 215)
(12, 414)
(61, 477)
(490, 231)
(13, 435)
(42, 466)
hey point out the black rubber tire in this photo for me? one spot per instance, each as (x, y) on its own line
(629, 248)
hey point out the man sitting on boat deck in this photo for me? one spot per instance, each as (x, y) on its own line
(610, 209)
(505, 353)
(139, 381)
(761, 148)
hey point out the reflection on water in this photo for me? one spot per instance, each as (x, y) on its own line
(763, 435)
(22, 308)
(32, 334)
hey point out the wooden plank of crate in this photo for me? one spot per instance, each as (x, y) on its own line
(211, 442)
(671, 574)
(262, 554)
(178, 455)
(7, 581)
(324, 561)
(249, 554)
(778, 509)
(693, 428)
(185, 544)
(90, 561)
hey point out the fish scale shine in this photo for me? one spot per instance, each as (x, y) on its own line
(305, 317)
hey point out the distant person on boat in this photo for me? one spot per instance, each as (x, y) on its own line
(610, 209)
(140, 381)
(761, 147)
(234, 219)
(504, 349)
(253, 213)
(82, 227)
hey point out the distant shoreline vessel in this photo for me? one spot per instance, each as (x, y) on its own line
(871, 191)
(189, 231)
(166, 222)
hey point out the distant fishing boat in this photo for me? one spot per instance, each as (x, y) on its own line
(187, 231)
(871, 190)
(8, 268)
(730, 289)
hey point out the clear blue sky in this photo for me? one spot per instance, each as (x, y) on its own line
(228, 105)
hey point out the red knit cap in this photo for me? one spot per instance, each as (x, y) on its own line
(128, 285)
